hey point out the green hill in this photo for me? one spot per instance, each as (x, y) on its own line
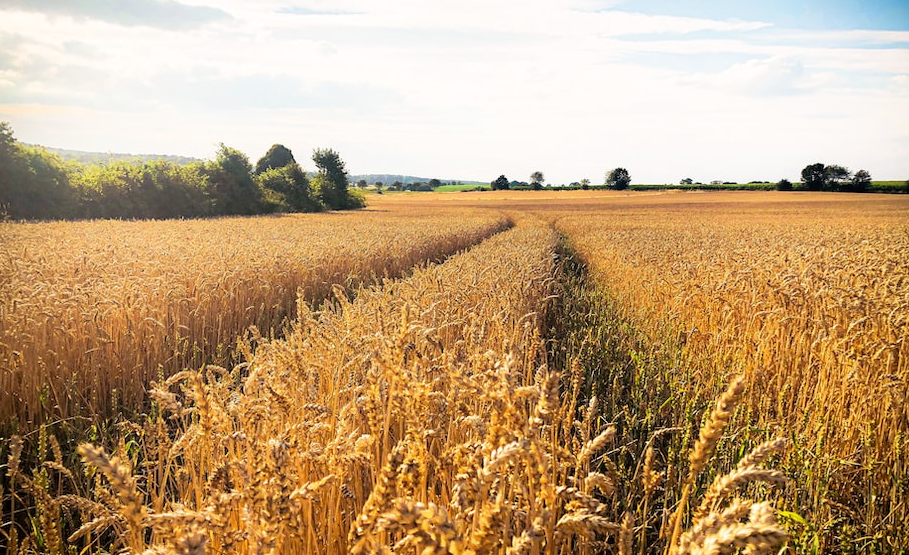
(101, 157)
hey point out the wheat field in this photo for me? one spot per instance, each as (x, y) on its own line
(812, 306)
(617, 373)
(90, 312)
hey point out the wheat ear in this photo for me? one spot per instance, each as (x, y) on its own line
(703, 449)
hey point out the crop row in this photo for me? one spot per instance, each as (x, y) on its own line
(812, 306)
(90, 312)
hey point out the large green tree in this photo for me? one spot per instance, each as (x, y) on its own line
(331, 181)
(231, 184)
(814, 177)
(861, 181)
(618, 178)
(836, 177)
(536, 180)
(34, 184)
(287, 189)
(277, 156)
(833, 177)
(500, 183)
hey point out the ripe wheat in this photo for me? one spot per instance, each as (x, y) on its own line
(90, 312)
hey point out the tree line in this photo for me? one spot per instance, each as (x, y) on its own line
(833, 177)
(36, 184)
(618, 179)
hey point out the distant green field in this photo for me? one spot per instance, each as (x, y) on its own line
(455, 188)
(876, 187)
(889, 187)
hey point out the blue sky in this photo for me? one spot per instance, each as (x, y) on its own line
(471, 89)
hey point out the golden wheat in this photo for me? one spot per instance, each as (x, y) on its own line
(90, 312)
(807, 297)
(431, 414)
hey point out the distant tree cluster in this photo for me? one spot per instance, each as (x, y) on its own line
(618, 179)
(500, 183)
(820, 177)
(536, 180)
(37, 184)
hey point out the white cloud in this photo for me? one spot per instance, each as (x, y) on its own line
(162, 14)
(459, 89)
(777, 75)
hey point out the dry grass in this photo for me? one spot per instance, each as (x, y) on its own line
(90, 312)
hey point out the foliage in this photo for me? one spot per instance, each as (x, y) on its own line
(277, 156)
(835, 177)
(784, 185)
(33, 183)
(231, 185)
(331, 182)
(814, 177)
(536, 180)
(860, 182)
(36, 184)
(618, 179)
(500, 183)
(289, 189)
(92, 158)
(155, 190)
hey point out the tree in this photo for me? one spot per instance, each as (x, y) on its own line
(784, 185)
(536, 180)
(361, 184)
(686, 181)
(814, 177)
(861, 181)
(331, 181)
(618, 179)
(230, 179)
(34, 183)
(434, 183)
(836, 177)
(288, 190)
(585, 184)
(500, 183)
(277, 156)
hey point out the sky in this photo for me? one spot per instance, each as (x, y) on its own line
(472, 89)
